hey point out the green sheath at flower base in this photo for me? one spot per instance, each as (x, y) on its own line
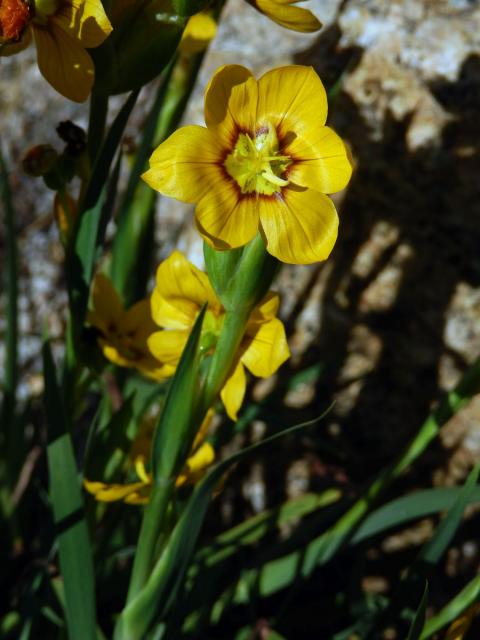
(145, 38)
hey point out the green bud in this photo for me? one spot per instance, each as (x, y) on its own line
(144, 42)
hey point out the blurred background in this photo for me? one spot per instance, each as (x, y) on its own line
(390, 321)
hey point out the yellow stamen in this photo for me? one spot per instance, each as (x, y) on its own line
(256, 164)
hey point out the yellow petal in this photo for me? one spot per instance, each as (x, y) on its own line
(63, 62)
(203, 430)
(107, 306)
(231, 103)
(234, 390)
(185, 165)
(201, 459)
(200, 30)
(286, 15)
(180, 291)
(137, 321)
(64, 211)
(113, 354)
(322, 161)
(294, 100)
(226, 219)
(300, 227)
(112, 492)
(266, 310)
(167, 346)
(267, 349)
(84, 20)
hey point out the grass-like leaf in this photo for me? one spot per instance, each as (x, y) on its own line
(11, 290)
(65, 494)
(450, 612)
(419, 617)
(159, 595)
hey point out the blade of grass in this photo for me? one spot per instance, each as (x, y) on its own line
(10, 447)
(296, 567)
(172, 441)
(419, 618)
(157, 598)
(74, 553)
(409, 507)
(11, 290)
(433, 550)
(467, 596)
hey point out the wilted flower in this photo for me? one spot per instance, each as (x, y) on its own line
(264, 163)
(62, 30)
(124, 332)
(180, 292)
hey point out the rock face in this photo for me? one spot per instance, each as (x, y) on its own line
(394, 315)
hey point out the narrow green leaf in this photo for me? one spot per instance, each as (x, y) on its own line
(450, 612)
(74, 545)
(80, 261)
(160, 592)
(410, 507)
(176, 428)
(104, 160)
(433, 550)
(11, 290)
(132, 244)
(419, 618)
(172, 441)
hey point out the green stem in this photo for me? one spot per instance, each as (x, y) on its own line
(149, 534)
(248, 284)
(224, 357)
(96, 123)
(11, 329)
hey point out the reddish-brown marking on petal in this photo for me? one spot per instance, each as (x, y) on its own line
(14, 17)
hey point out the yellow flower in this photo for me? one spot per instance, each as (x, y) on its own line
(124, 333)
(200, 30)
(63, 30)
(264, 162)
(201, 457)
(181, 290)
(284, 13)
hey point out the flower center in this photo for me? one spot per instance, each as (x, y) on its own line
(14, 18)
(256, 164)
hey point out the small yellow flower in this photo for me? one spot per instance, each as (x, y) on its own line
(264, 162)
(199, 32)
(180, 292)
(201, 457)
(124, 333)
(284, 13)
(63, 30)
